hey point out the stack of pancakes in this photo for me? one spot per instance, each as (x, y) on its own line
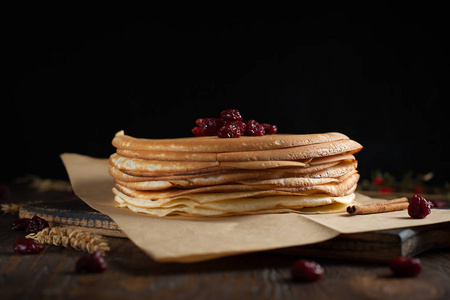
(210, 176)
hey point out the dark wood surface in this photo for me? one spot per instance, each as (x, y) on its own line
(132, 274)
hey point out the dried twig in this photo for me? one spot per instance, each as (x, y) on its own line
(13, 208)
(71, 238)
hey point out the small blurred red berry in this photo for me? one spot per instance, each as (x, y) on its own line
(405, 266)
(306, 270)
(418, 189)
(438, 204)
(377, 181)
(91, 263)
(385, 190)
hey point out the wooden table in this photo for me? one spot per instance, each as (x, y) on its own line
(132, 274)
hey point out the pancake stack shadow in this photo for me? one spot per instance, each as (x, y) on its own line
(211, 176)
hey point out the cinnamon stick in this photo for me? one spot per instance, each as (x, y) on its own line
(385, 206)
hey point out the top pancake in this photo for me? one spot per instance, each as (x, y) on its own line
(213, 144)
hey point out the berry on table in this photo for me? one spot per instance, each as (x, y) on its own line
(306, 270)
(405, 266)
(20, 224)
(91, 263)
(27, 246)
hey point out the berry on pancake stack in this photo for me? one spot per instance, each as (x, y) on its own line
(235, 167)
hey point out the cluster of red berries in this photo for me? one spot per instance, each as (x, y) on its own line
(231, 125)
(33, 225)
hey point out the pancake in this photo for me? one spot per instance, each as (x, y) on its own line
(220, 177)
(292, 182)
(168, 155)
(333, 189)
(304, 153)
(277, 204)
(319, 177)
(294, 153)
(143, 167)
(217, 145)
(217, 179)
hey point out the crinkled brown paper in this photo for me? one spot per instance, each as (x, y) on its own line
(183, 239)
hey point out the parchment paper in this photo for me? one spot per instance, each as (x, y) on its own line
(183, 239)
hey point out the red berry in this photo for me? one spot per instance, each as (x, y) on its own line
(377, 181)
(241, 125)
(306, 270)
(20, 224)
(253, 128)
(36, 224)
(269, 129)
(197, 131)
(418, 189)
(438, 204)
(211, 126)
(405, 266)
(199, 122)
(250, 124)
(231, 115)
(91, 263)
(385, 190)
(231, 130)
(27, 246)
(418, 207)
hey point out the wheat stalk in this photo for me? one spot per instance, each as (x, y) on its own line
(14, 208)
(11, 208)
(71, 238)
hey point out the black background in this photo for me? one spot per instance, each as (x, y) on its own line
(379, 75)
